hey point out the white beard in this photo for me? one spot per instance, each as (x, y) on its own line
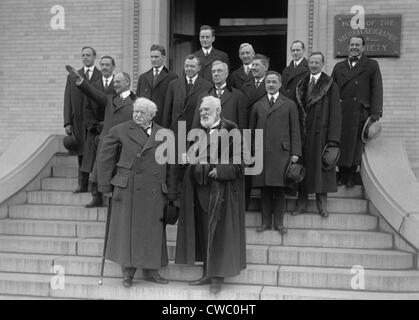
(207, 123)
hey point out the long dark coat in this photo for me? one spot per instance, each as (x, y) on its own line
(281, 138)
(180, 106)
(140, 189)
(320, 122)
(238, 78)
(291, 76)
(253, 94)
(157, 94)
(233, 106)
(227, 240)
(74, 113)
(116, 111)
(361, 93)
(95, 114)
(206, 62)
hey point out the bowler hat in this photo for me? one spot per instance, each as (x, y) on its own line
(330, 157)
(70, 143)
(294, 173)
(200, 173)
(170, 214)
(371, 130)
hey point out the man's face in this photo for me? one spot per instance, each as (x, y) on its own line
(258, 69)
(106, 67)
(209, 114)
(87, 57)
(219, 74)
(120, 83)
(297, 51)
(141, 115)
(246, 55)
(157, 59)
(191, 67)
(206, 38)
(355, 48)
(272, 84)
(315, 64)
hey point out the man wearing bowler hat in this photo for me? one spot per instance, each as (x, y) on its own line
(361, 92)
(320, 120)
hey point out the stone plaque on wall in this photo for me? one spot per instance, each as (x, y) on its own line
(381, 32)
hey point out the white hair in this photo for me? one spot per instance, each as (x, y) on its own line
(243, 45)
(144, 102)
(213, 101)
(216, 62)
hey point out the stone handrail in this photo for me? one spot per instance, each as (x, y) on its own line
(392, 186)
(24, 159)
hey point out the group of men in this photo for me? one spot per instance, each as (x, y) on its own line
(305, 114)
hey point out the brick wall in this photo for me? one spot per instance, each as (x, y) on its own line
(33, 55)
(400, 75)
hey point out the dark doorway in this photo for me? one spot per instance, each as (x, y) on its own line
(262, 23)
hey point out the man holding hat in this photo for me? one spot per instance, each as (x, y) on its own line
(277, 116)
(361, 91)
(320, 120)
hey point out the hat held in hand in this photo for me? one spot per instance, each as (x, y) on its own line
(70, 143)
(294, 173)
(330, 157)
(371, 130)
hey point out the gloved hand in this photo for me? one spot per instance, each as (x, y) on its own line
(68, 129)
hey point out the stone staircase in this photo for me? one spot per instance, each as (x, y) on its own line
(317, 259)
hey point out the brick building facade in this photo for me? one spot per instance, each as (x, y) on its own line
(38, 39)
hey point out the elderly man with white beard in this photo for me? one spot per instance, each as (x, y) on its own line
(211, 227)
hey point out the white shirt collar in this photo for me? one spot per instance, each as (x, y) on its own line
(159, 69)
(259, 80)
(193, 79)
(207, 50)
(92, 68)
(298, 61)
(125, 94)
(275, 96)
(222, 87)
(316, 76)
(109, 80)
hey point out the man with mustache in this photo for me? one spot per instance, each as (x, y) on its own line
(211, 225)
(94, 115)
(361, 92)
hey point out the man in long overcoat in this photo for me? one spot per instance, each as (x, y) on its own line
(94, 124)
(243, 74)
(154, 83)
(140, 189)
(320, 122)
(277, 116)
(361, 92)
(295, 71)
(74, 113)
(211, 225)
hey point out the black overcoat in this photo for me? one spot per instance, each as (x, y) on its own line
(291, 76)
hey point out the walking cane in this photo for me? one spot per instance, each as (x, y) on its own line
(108, 220)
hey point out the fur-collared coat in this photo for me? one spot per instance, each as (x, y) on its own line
(226, 215)
(140, 188)
(281, 138)
(320, 122)
(361, 93)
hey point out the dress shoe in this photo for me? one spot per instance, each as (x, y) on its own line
(127, 282)
(154, 276)
(96, 202)
(324, 213)
(200, 282)
(215, 286)
(300, 210)
(281, 229)
(341, 181)
(262, 228)
(350, 183)
(80, 189)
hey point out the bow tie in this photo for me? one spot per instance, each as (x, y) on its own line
(353, 59)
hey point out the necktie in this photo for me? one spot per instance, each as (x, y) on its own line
(295, 65)
(106, 83)
(155, 76)
(353, 61)
(311, 86)
(246, 70)
(86, 74)
(189, 86)
(257, 83)
(219, 93)
(272, 101)
(206, 53)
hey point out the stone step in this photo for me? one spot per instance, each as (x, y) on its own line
(356, 192)
(43, 245)
(65, 160)
(68, 198)
(56, 212)
(348, 279)
(65, 171)
(335, 205)
(87, 288)
(313, 238)
(58, 198)
(59, 184)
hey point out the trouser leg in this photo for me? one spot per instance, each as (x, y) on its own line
(279, 207)
(267, 199)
